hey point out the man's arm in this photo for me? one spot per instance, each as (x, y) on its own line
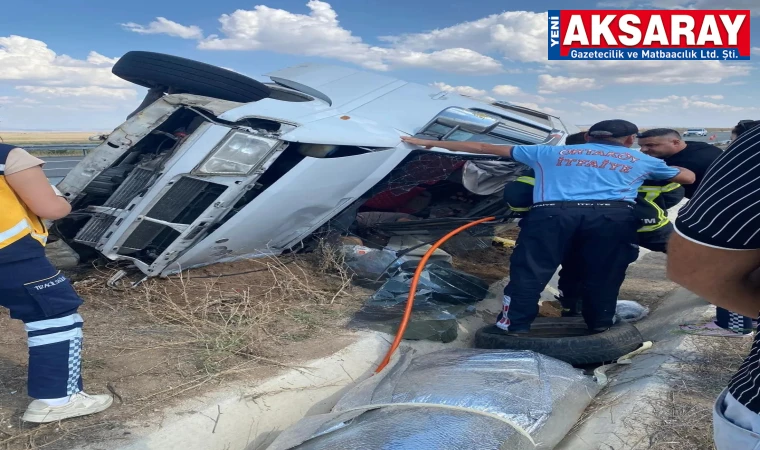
(467, 147)
(685, 176)
(715, 251)
(725, 278)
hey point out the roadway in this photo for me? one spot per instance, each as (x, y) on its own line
(56, 167)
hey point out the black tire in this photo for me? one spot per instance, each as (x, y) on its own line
(566, 339)
(181, 75)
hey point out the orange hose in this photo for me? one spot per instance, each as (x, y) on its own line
(413, 288)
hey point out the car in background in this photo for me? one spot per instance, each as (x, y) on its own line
(215, 166)
(695, 132)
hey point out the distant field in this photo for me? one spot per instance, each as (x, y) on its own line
(47, 137)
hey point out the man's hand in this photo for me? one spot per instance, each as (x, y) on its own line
(421, 142)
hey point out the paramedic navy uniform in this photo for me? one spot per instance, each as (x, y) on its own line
(583, 198)
(40, 296)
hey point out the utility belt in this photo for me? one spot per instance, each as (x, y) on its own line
(585, 204)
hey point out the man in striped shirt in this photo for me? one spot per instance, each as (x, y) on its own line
(715, 253)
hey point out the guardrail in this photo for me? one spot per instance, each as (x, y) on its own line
(59, 148)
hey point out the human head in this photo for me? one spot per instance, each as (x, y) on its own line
(577, 138)
(615, 131)
(661, 142)
(742, 126)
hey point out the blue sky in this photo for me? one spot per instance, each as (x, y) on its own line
(56, 56)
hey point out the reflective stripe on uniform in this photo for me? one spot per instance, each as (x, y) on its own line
(527, 180)
(23, 225)
(2, 169)
(53, 323)
(650, 195)
(54, 338)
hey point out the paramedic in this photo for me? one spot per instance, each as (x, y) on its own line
(585, 195)
(38, 294)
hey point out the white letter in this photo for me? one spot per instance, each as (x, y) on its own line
(626, 27)
(656, 32)
(709, 32)
(575, 31)
(678, 30)
(599, 28)
(732, 28)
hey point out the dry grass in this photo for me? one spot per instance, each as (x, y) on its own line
(682, 415)
(168, 339)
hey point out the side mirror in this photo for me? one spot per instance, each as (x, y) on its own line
(466, 120)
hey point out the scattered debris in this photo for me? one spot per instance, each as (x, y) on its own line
(630, 311)
(443, 295)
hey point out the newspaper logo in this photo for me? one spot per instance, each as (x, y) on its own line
(649, 35)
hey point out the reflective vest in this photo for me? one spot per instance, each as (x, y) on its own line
(16, 220)
(519, 198)
(650, 195)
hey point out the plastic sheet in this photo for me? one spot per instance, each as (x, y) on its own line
(369, 263)
(443, 295)
(453, 399)
(630, 311)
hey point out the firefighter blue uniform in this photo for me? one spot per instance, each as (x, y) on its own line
(652, 202)
(584, 199)
(40, 296)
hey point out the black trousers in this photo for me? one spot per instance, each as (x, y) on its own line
(571, 276)
(602, 235)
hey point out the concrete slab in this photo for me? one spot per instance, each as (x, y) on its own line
(617, 419)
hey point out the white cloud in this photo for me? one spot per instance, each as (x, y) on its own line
(686, 103)
(655, 72)
(320, 34)
(462, 90)
(714, 97)
(537, 107)
(756, 51)
(596, 106)
(516, 35)
(33, 63)
(163, 25)
(548, 84)
(506, 90)
(89, 91)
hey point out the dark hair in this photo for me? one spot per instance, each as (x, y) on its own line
(659, 132)
(744, 125)
(577, 138)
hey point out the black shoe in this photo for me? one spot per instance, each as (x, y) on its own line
(598, 330)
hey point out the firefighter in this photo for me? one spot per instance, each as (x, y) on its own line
(38, 294)
(652, 202)
(585, 196)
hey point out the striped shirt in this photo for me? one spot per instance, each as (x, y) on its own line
(725, 213)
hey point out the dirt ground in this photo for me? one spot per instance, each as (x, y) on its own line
(684, 414)
(171, 339)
